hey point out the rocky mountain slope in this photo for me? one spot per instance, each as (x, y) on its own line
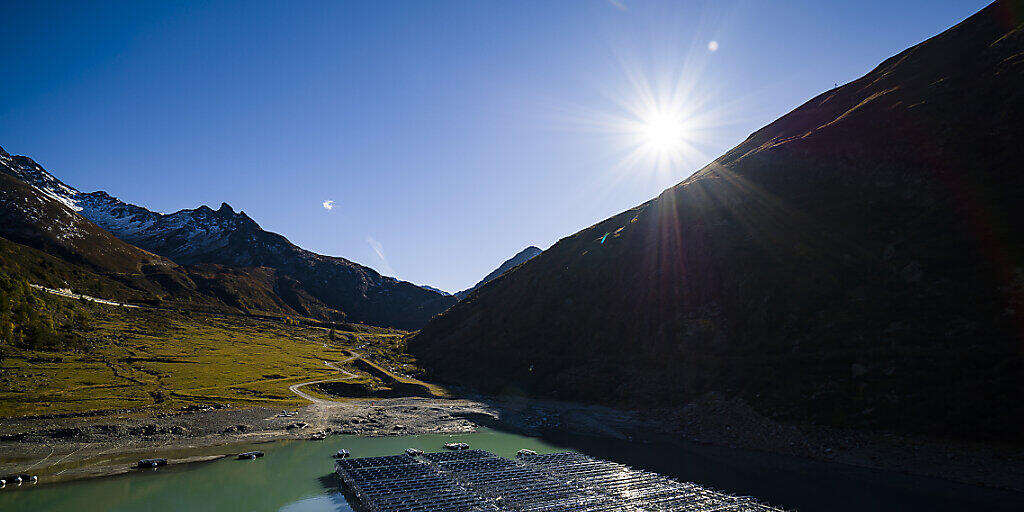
(237, 261)
(35, 225)
(858, 262)
(521, 257)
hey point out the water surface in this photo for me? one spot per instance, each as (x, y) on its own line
(297, 476)
(294, 476)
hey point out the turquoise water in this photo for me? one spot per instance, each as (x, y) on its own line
(297, 476)
(294, 476)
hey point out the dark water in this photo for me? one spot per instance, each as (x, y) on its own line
(796, 483)
(296, 476)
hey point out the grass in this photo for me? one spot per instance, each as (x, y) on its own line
(158, 359)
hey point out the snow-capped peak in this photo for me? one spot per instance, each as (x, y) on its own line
(27, 170)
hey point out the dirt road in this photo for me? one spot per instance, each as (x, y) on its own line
(295, 388)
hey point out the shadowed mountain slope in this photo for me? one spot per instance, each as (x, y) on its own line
(857, 262)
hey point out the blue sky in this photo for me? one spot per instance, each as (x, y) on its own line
(449, 135)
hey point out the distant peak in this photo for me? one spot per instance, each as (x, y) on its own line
(225, 208)
(436, 290)
(527, 253)
(520, 257)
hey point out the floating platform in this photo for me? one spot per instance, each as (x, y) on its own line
(478, 481)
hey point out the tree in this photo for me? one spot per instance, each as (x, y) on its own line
(6, 330)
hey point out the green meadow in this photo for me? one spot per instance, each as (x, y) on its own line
(162, 359)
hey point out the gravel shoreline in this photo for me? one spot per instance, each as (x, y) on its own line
(61, 449)
(68, 448)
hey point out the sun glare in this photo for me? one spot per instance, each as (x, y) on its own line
(664, 120)
(662, 113)
(663, 131)
(661, 135)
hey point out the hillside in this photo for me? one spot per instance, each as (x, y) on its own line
(235, 260)
(858, 262)
(43, 240)
(36, 219)
(145, 358)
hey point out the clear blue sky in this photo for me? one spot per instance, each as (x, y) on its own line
(449, 135)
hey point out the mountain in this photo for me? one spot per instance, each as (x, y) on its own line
(858, 262)
(438, 290)
(241, 264)
(224, 237)
(36, 220)
(520, 258)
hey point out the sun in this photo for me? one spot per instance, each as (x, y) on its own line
(662, 131)
(661, 134)
(658, 117)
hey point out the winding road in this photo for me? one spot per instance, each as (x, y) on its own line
(294, 388)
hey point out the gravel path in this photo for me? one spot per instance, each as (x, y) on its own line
(294, 388)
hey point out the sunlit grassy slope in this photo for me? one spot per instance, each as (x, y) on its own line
(160, 359)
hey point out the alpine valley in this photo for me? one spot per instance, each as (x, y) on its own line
(828, 316)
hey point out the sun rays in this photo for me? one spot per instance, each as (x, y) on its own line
(661, 135)
(663, 119)
(663, 124)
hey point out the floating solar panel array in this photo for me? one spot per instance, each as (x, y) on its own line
(403, 483)
(475, 480)
(516, 486)
(641, 489)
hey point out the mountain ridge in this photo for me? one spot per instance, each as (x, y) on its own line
(327, 287)
(79, 253)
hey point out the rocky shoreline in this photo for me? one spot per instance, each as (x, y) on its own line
(68, 448)
(61, 449)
